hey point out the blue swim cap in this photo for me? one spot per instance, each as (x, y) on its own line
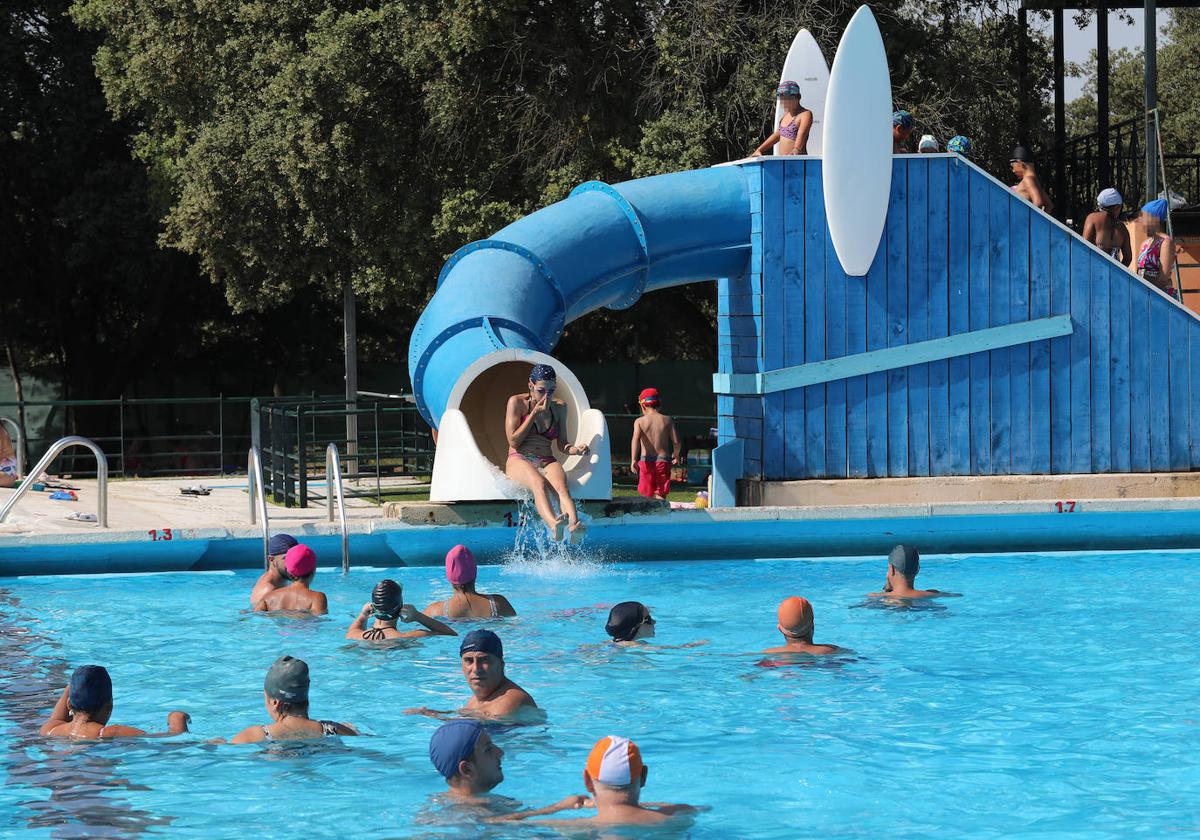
(787, 89)
(484, 641)
(903, 119)
(542, 373)
(1156, 208)
(453, 742)
(91, 688)
(280, 543)
(959, 144)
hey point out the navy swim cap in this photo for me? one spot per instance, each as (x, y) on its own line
(453, 742)
(542, 373)
(91, 688)
(483, 641)
(280, 543)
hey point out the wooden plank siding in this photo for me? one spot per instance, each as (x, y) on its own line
(960, 253)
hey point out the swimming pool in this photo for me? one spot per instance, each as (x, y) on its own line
(1056, 699)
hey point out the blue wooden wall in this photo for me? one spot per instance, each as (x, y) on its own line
(960, 253)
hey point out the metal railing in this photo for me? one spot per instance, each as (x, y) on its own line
(57, 447)
(333, 482)
(258, 498)
(18, 440)
(392, 441)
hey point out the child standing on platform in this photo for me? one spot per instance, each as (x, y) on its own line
(654, 448)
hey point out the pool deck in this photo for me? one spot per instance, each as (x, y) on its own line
(153, 527)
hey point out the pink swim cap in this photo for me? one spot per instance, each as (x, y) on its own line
(460, 565)
(300, 561)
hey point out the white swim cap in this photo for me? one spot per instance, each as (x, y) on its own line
(1109, 198)
(927, 142)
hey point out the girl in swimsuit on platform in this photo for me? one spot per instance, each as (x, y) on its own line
(1156, 257)
(794, 126)
(533, 423)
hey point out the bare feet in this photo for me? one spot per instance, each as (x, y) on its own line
(560, 527)
(578, 532)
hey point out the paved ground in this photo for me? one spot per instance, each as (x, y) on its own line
(147, 504)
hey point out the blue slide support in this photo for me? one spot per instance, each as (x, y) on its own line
(603, 246)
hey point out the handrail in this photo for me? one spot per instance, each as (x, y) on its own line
(254, 481)
(53, 452)
(19, 446)
(333, 478)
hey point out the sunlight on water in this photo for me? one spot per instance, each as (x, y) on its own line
(535, 553)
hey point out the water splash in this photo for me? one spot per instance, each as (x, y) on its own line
(534, 551)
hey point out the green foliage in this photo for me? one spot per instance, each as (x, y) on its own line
(1178, 81)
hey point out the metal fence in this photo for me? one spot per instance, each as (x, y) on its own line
(143, 436)
(392, 440)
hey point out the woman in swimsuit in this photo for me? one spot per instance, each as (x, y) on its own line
(794, 126)
(387, 606)
(285, 695)
(8, 459)
(461, 571)
(533, 423)
(1156, 257)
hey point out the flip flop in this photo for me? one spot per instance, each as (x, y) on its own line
(578, 533)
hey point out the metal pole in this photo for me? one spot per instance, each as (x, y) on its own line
(1102, 115)
(1022, 76)
(221, 433)
(121, 422)
(1060, 120)
(1178, 280)
(350, 321)
(1150, 51)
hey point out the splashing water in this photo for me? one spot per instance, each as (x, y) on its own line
(535, 552)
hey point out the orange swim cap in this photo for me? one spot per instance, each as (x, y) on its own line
(615, 761)
(795, 614)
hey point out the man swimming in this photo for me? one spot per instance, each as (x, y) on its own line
(903, 564)
(274, 576)
(86, 704)
(469, 760)
(493, 695)
(387, 606)
(796, 624)
(615, 776)
(300, 564)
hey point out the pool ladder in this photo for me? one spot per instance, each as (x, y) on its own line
(53, 452)
(258, 498)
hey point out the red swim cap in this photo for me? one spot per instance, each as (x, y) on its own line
(649, 396)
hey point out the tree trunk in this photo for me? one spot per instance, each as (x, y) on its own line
(19, 388)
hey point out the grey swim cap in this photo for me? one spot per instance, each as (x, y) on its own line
(287, 680)
(905, 560)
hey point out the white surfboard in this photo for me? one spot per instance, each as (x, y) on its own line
(857, 165)
(805, 65)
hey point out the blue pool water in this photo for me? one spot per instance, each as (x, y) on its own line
(1058, 698)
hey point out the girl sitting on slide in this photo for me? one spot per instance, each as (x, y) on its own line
(534, 422)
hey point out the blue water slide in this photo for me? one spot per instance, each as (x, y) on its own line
(603, 246)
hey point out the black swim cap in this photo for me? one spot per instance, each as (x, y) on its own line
(624, 620)
(1020, 154)
(387, 597)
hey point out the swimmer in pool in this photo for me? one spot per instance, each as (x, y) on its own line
(903, 564)
(387, 606)
(285, 695)
(461, 571)
(535, 423)
(85, 705)
(615, 776)
(274, 577)
(796, 625)
(299, 564)
(493, 695)
(630, 623)
(469, 760)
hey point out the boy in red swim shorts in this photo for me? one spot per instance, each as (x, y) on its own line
(654, 448)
